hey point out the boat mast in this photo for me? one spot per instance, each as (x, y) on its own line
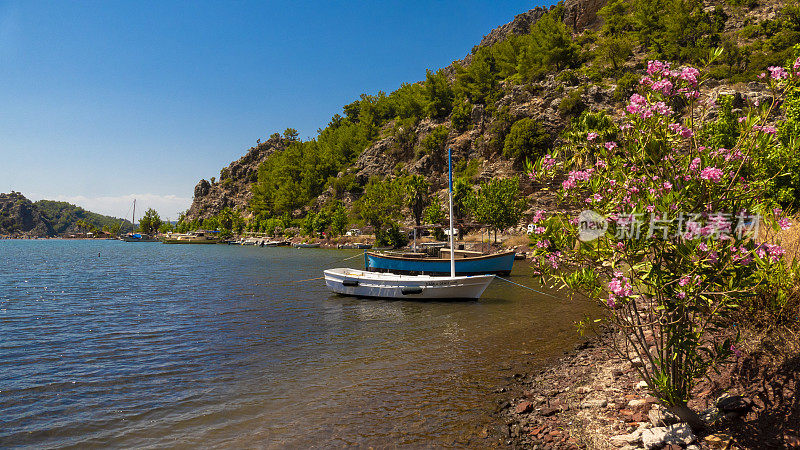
(452, 247)
(133, 217)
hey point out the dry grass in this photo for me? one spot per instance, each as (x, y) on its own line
(789, 239)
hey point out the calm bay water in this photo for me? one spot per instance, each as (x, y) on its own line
(137, 344)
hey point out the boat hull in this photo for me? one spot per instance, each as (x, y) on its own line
(189, 241)
(360, 283)
(497, 263)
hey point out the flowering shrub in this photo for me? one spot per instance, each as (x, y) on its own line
(676, 248)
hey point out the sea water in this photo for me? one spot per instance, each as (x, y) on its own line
(107, 343)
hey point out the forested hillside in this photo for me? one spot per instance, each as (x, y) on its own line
(531, 85)
(65, 217)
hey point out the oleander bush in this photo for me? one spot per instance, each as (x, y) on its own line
(669, 242)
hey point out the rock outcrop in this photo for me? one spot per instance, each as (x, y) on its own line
(233, 189)
(581, 14)
(19, 217)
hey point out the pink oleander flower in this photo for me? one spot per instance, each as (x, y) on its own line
(711, 174)
(592, 136)
(647, 81)
(637, 99)
(667, 185)
(796, 64)
(681, 295)
(656, 67)
(762, 75)
(690, 74)
(611, 301)
(664, 86)
(553, 259)
(742, 119)
(683, 281)
(569, 183)
(703, 247)
(768, 129)
(544, 243)
(775, 252)
(610, 145)
(539, 230)
(650, 208)
(662, 108)
(537, 216)
(620, 286)
(601, 164)
(777, 72)
(694, 165)
(548, 162)
(692, 94)
(531, 176)
(784, 224)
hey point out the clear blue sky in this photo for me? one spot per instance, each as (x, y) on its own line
(104, 101)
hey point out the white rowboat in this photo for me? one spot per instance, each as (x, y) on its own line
(361, 283)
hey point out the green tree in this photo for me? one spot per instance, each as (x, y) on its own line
(526, 140)
(462, 193)
(614, 49)
(150, 222)
(435, 215)
(462, 116)
(416, 196)
(438, 94)
(380, 204)
(290, 134)
(498, 204)
(339, 219)
(549, 47)
(433, 144)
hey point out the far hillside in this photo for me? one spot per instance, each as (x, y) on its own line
(66, 217)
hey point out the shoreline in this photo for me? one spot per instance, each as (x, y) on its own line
(590, 398)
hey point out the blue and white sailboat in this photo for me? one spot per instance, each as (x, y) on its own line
(362, 283)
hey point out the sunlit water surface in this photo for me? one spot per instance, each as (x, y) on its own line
(108, 343)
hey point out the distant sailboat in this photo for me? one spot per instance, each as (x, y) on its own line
(133, 236)
(361, 283)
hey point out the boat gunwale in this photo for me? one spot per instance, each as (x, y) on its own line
(467, 258)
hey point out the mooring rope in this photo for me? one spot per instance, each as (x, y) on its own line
(288, 283)
(526, 287)
(360, 255)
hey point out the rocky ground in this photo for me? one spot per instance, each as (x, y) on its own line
(593, 399)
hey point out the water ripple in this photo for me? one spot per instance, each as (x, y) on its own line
(152, 345)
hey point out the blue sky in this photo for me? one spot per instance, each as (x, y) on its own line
(105, 101)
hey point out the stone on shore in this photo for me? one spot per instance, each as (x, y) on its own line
(678, 434)
(524, 407)
(630, 439)
(660, 417)
(594, 403)
(735, 404)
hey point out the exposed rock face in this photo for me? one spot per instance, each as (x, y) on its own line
(20, 217)
(233, 188)
(581, 14)
(520, 25)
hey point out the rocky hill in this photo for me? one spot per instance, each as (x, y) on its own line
(20, 217)
(553, 97)
(233, 189)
